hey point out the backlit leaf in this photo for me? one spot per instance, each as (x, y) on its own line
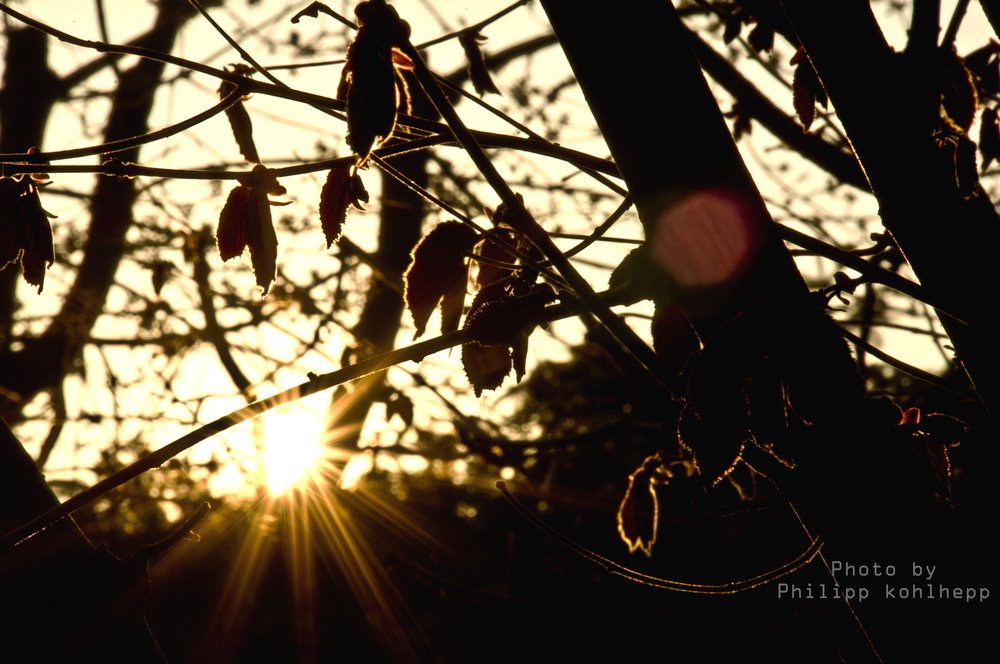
(232, 234)
(492, 252)
(370, 83)
(959, 98)
(343, 187)
(438, 268)
(502, 320)
(485, 366)
(639, 511)
(245, 221)
(38, 254)
(941, 429)
(263, 242)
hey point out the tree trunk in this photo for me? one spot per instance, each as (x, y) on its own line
(43, 361)
(889, 103)
(857, 482)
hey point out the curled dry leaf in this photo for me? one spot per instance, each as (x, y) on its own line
(39, 253)
(478, 73)
(807, 91)
(343, 188)
(639, 511)
(25, 231)
(438, 271)
(370, 83)
(239, 118)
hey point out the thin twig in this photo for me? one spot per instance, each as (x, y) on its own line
(951, 32)
(909, 369)
(870, 271)
(126, 143)
(317, 383)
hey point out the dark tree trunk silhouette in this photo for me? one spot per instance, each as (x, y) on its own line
(44, 360)
(855, 484)
(948, 229)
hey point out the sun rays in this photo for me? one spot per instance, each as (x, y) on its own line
(311, 516)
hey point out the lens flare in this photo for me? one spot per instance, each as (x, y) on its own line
(293, 447)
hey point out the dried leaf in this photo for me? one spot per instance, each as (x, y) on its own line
(240, 123)
(233, 232)
(485, 366)
(263, 241)
(438, 268)
(959, 98)
(38, 254)
(639, 511)
(478, 73)
(343, 187)
(501, 321)
(806, 91)
(374, 91)
(245, 221)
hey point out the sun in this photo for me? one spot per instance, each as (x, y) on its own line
(293, 448)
